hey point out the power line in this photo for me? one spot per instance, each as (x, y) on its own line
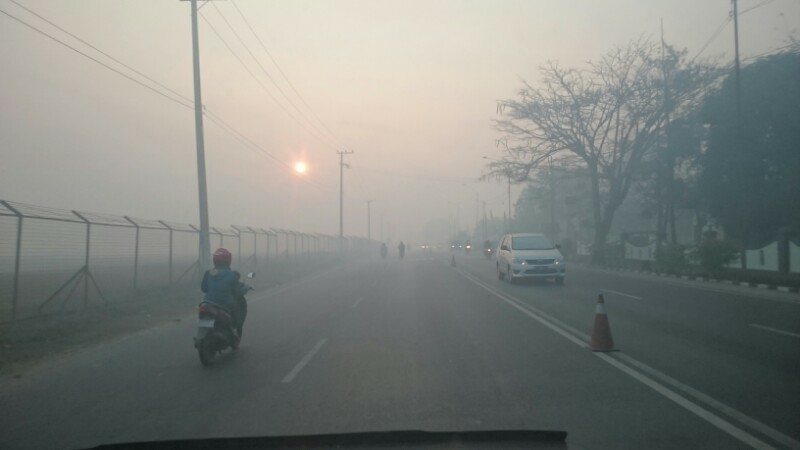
(190, 106)
(277, 66)
(214, 117)
(713, 36)
(178, 94)
(264, 88)
(264, 70)
(765, 2)
(770, 52)
(385, 172)
(224, 126)
(254, 147)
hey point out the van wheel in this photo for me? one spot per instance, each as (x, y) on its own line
(511, 278)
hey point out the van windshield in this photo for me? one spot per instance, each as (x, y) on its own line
(531, 243)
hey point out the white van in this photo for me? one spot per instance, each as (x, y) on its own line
(529, 255)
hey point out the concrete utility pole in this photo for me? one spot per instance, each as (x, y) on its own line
(552, 201)
(341, 194)
(369, 221)
(738, 85)
(484, 220)
(509, 200)
(477, 211)
(204, 258)
(738, 95)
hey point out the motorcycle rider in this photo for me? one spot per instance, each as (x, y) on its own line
(221, 287)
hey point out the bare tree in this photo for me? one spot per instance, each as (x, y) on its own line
(606, 118)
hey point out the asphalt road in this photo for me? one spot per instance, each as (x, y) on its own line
(417, 344)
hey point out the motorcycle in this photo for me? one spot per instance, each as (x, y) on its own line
(487, 252)
(216, 327)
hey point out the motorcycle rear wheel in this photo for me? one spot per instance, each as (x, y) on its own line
(207, 354)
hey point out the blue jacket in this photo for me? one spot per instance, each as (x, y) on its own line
(221, 286)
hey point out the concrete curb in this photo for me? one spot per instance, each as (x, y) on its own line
(770, 287)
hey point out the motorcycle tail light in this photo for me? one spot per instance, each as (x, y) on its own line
(204, 310)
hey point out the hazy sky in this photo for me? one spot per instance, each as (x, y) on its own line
(410, 86)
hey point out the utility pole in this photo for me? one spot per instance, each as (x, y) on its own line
(341, 193)
(205, 245)
(369, 221)
(484, 220)
(738, 97)
(509, 201)
(738, 85)
(477, 211)
(552, 201)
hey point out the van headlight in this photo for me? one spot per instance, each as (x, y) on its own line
(558, 261)
(518, 261)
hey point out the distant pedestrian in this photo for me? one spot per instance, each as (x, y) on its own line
(402, 249)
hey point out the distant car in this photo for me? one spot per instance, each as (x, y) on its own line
(456, 245)
(529, 255)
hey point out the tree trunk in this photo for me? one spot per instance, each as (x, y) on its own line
(598, 247)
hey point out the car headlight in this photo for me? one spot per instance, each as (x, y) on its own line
(559, 261)
(518, 261)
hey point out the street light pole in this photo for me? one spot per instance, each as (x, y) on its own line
(369, 219)
(205, 245)
(509, 200)
(341, 194)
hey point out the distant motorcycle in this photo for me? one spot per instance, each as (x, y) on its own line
(216, 330)
(487, 252)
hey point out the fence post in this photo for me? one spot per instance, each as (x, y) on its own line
(135, 254)
(17, 254)
(255, 247)
(170, 248)
(239, 246)
(86, 259)
(221, 236)
(266, 233)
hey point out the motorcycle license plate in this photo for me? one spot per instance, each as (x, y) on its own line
(205, 323)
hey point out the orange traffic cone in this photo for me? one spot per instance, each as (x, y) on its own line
(601, 333)
(452, 260)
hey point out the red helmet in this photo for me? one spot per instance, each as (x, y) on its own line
(222, 257)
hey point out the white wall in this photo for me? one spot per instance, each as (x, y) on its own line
(647, 253)
(794, 257)
(765, 258)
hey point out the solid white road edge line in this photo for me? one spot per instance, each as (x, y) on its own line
(620, 293)
(754, 295)
(716, 404)
(290, 376)
(706, 415)
(775, 330)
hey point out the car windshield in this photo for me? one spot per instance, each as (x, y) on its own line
(278, 218)
(530, 243)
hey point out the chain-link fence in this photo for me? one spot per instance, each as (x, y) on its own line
(55, 261)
